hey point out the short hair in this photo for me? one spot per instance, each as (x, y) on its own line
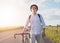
(34, 5)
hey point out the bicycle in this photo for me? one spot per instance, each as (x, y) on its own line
(25, 37)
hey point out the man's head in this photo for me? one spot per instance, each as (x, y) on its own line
(34, 8)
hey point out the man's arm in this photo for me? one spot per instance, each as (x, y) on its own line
(43, 26)
(26, 25)
(42, 23)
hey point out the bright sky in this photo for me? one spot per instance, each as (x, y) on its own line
(15, 12)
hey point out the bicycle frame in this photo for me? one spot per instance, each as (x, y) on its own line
(25, 39)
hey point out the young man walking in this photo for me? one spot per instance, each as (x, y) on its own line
(37, 25)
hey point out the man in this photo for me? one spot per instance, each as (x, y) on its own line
(37, 25)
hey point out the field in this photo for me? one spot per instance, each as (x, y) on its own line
(2, 29)
(53, 32)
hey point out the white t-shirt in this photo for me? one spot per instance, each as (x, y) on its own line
(36, 24)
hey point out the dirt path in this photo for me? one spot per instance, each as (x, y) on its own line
(47, 40)
(8, 37)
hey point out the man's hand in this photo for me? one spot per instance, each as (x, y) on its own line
(15, 36)
(43, 33)
(26, 29)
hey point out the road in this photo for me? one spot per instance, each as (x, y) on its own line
(8, 37)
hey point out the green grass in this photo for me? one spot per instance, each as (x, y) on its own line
(53, 32)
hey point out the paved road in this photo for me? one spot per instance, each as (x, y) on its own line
(8, 37)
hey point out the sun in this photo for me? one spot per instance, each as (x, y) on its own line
(12, 14)
(12, 17)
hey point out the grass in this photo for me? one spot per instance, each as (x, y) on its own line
(53, 32)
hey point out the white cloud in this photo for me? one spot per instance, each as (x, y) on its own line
(50, 12)
(50, 16)
(57, 1)
(46, 13)
(57, 12)
(38, 2)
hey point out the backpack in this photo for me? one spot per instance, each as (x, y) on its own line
(38, 16)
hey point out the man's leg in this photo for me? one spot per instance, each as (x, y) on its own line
(32, 38)
(39, 38)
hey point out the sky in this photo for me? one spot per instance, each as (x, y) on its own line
(16, 12)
